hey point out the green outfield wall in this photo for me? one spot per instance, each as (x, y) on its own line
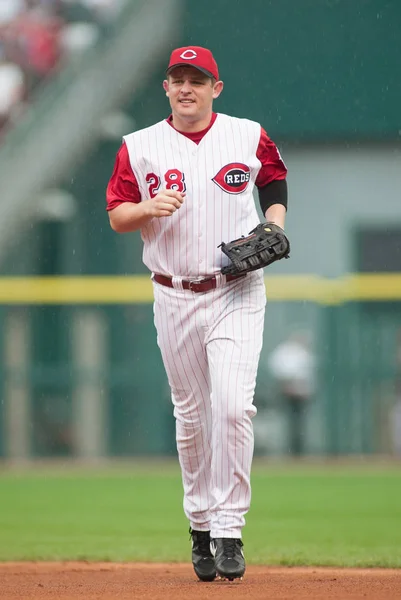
(81, 374)
(308, 69)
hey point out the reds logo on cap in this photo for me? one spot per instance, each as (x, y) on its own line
(196, 56)
(233, 178)
(188, 55)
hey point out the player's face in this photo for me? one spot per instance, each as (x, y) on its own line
(191, 93)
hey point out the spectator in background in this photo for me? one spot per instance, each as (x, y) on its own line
(86, 20)
(39, 37)
(105, 11)
(292, 366)
(12, 89)
(9, 9)
(33, 37)
(81, 30)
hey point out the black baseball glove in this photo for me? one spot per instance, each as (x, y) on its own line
(263, 246)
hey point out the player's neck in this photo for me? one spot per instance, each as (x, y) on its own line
(190, 126)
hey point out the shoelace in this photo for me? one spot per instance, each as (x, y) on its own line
(229, 545)
(202, 539)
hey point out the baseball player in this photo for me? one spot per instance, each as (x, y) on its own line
(186, 183)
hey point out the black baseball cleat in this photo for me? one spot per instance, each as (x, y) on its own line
(202, 557)
(230, 561)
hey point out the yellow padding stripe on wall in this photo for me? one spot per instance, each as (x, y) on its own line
(138, 289)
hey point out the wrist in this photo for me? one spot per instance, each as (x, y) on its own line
(147, 209)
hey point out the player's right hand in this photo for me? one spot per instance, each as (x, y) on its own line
(165, 203)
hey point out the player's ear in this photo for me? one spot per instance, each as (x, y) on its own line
(217, 89)
(165, 86)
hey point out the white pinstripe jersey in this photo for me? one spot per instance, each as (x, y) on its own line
(218, 176)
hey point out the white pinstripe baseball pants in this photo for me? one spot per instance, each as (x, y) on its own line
(210, 345)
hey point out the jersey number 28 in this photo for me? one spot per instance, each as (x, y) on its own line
(174, 180)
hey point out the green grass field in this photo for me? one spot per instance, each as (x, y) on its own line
(300, 515)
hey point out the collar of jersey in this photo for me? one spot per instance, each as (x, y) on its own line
(197, 135)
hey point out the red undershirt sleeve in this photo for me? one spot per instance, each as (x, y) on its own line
(122, 186)
(273, 167)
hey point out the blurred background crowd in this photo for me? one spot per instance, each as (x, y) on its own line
(38, 38)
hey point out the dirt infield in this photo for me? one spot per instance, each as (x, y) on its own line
(110, 581)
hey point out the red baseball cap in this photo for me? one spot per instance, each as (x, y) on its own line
(194, 56)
